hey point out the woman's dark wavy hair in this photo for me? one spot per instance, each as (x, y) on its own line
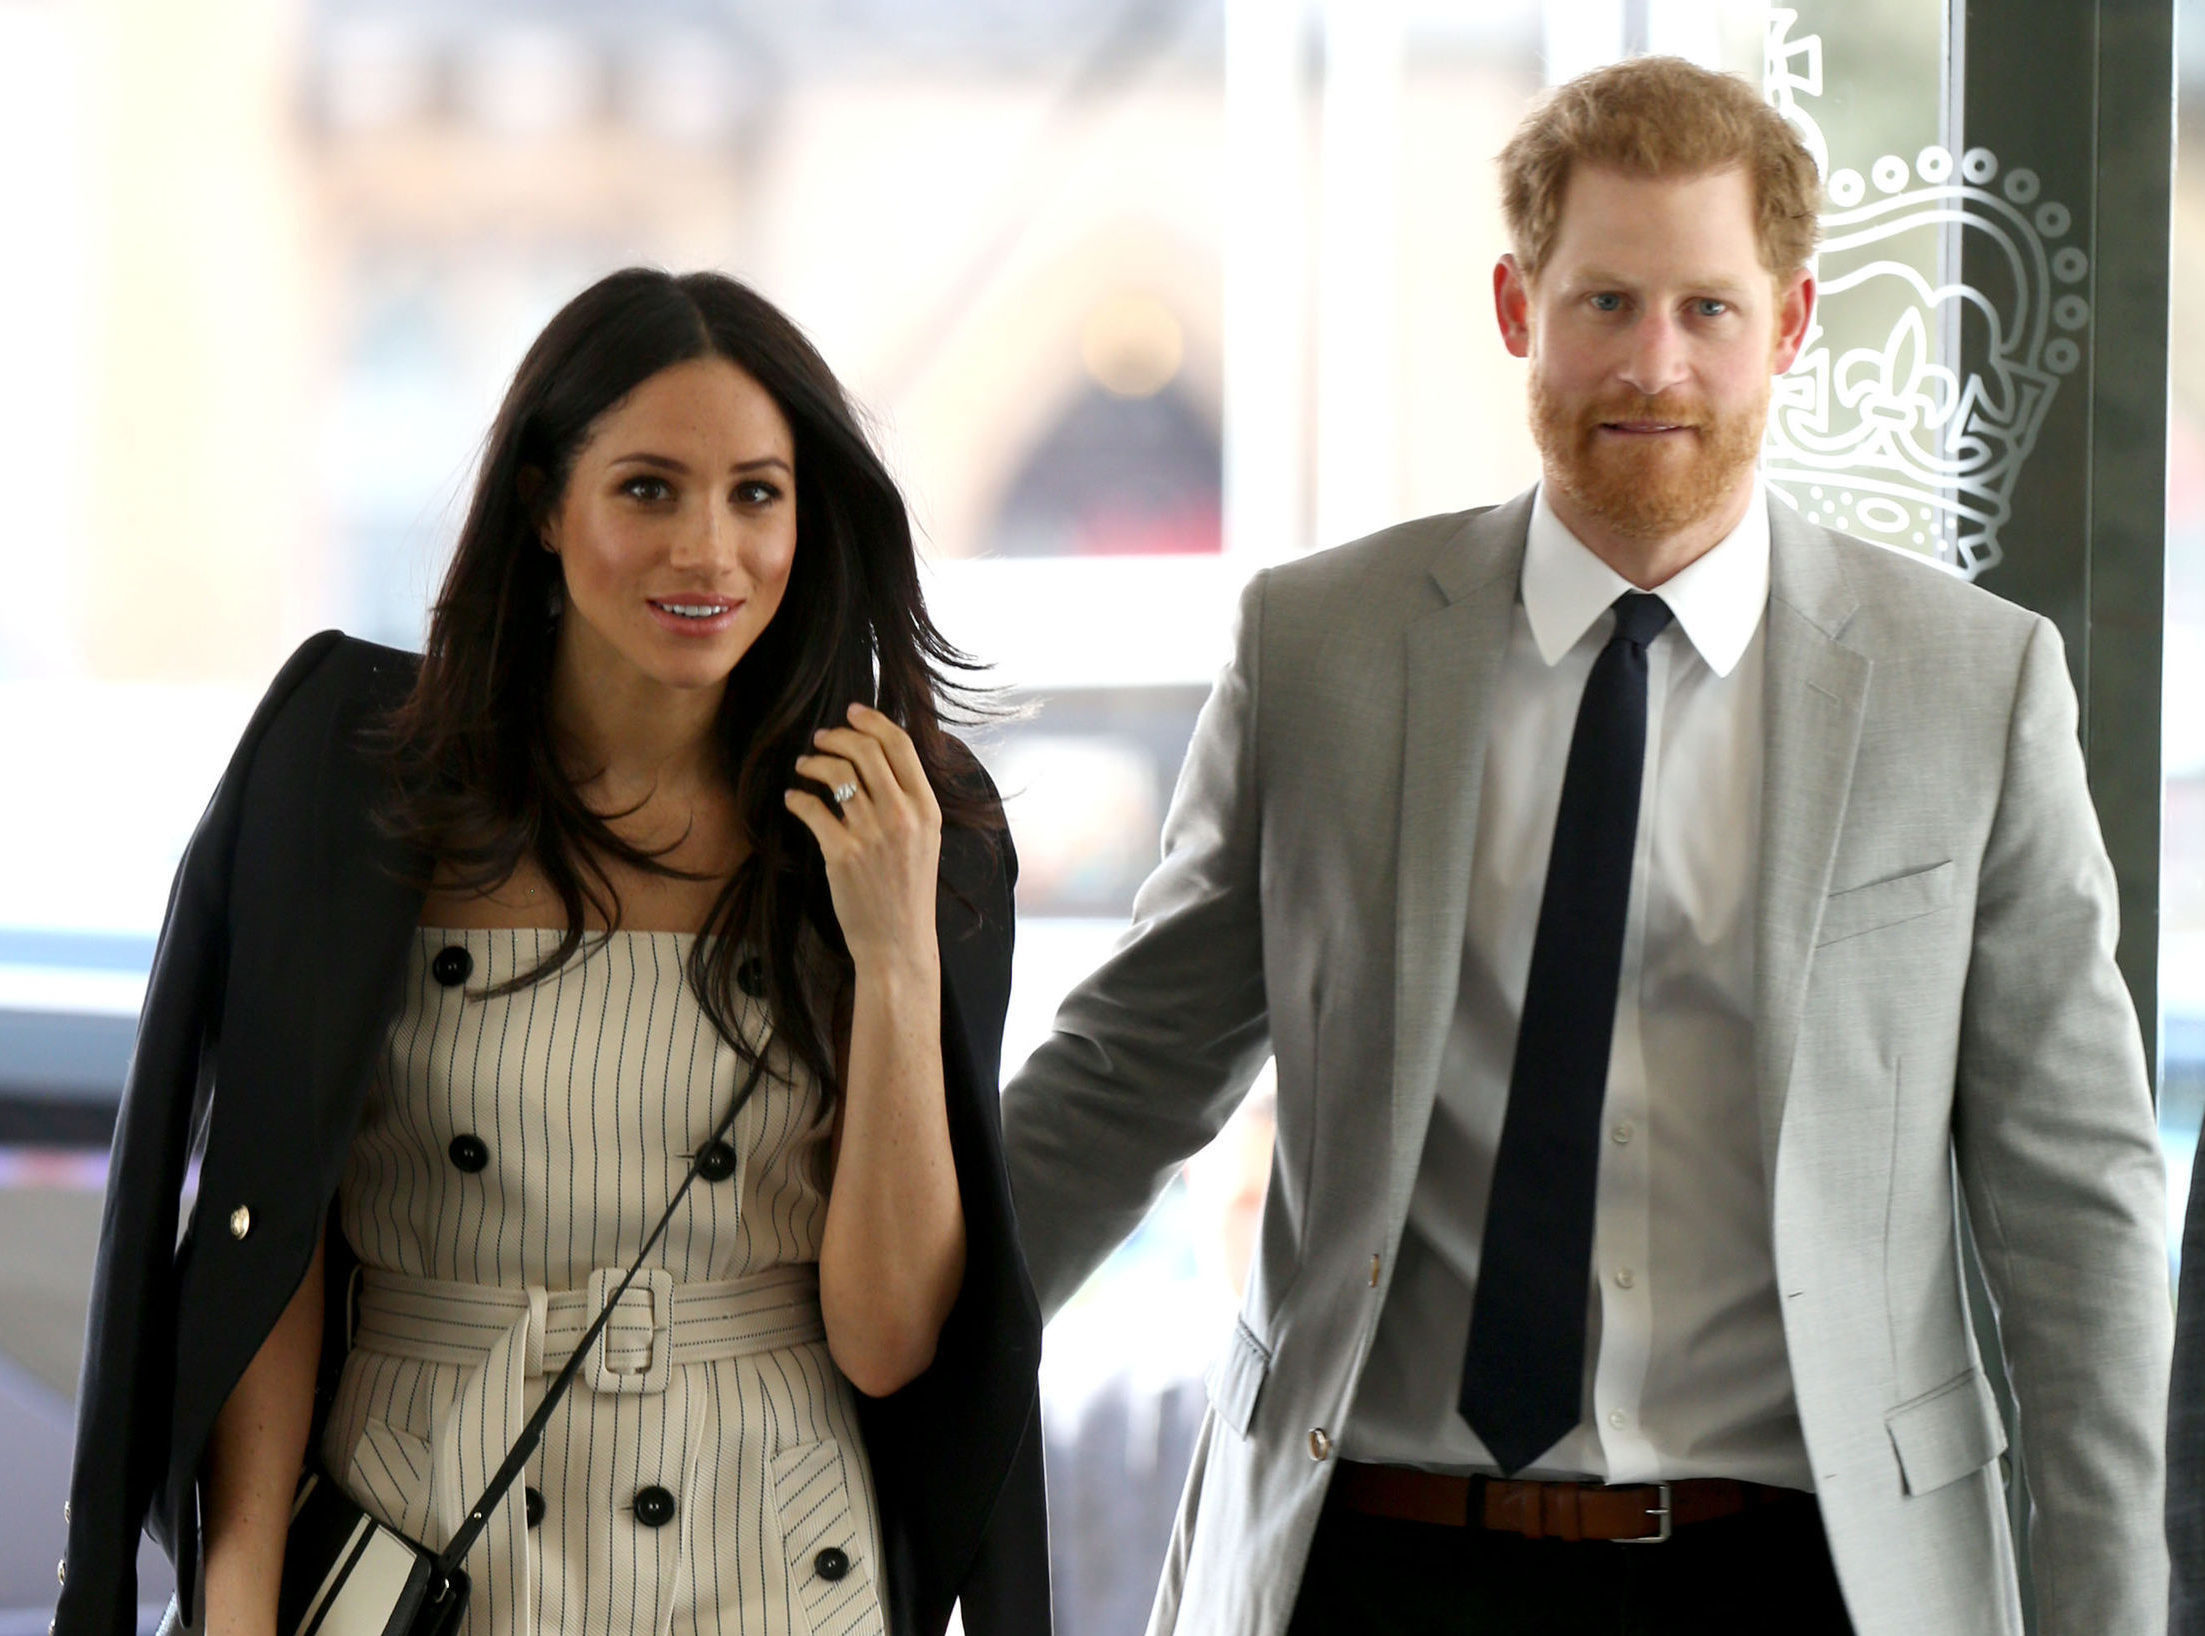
(478, 783)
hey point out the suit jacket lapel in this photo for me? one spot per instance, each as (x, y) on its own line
(1453, 657)
(1816, 692)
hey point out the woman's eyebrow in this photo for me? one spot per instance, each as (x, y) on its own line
(667, 462)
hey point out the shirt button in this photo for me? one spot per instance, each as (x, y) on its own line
(241, 1222)
(654, 1507)
(831, 1564)
(716, 1163)
(452, 966)
(469, 1153)
(1625, 1278)
(1622, 1134)
(750, 977)
(1618, 1419)
(1320, 1444)
(534, 1502)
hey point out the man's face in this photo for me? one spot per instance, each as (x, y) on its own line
(1653, 333)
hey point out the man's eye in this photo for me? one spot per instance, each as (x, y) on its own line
(648, 489)
(1607, 301)
(1709, 307)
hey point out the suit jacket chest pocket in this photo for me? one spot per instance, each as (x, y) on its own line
(1858, 910)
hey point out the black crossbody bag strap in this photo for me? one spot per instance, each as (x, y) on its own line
(516, 1460)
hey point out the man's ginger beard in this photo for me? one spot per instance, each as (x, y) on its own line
(1655, 487)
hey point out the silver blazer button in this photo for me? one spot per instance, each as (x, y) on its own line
(241, 1222)
(1320, 1444)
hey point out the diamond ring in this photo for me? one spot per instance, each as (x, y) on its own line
(845, 793)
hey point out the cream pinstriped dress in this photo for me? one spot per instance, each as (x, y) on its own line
(704, 1473)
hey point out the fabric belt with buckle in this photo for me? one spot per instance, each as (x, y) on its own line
(1626, 1514)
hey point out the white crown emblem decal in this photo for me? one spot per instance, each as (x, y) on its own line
(1890, 442)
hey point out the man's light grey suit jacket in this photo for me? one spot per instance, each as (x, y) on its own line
(1934, 980)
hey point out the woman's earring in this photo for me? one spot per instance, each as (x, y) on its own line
(555, 600)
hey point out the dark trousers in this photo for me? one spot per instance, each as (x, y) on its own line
(1765, 1570)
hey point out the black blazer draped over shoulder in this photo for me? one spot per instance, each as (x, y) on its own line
(274, 983)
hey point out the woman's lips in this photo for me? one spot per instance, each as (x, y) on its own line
(694, 615)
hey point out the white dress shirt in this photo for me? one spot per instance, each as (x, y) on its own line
(1686, 1372)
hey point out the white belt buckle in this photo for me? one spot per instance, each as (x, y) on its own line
(652, 1284)
(1662, 1508)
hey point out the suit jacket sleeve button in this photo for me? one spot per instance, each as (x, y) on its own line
(61, 1572)
(831, 1564)
(241, 1222)
(1320, 1444)
(654, 1507)
(452, 966)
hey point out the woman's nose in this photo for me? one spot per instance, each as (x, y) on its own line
(707, 539)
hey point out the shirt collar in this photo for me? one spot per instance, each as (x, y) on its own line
(1717, 601)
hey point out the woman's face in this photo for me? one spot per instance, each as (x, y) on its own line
(677, 529)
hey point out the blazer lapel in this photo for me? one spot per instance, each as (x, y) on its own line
(1453, 657)
(1816, 694)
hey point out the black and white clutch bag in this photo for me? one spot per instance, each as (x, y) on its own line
(345, 1574)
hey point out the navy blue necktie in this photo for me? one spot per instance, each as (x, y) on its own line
(1523, 1372)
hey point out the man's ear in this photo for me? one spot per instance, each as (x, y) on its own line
(1512, 305)
(1795, 316)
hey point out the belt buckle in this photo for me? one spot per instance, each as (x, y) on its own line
(656, 1285)
(1663, 1510)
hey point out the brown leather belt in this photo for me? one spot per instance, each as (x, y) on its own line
(1629, 1514)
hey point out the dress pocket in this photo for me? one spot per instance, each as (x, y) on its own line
(389, 1474)
(830, 1578)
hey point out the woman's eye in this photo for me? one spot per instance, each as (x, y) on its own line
(648, 489)
(756, 492)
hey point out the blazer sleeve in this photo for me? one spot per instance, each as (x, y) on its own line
(125, 1388)
(2059, 1156)
(957, 1453)
(1151, 1054)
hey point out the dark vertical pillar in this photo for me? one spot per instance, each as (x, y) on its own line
(2074, 100)
(2076, 103)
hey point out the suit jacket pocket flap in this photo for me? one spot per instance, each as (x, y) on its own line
(1945, 1434)
(1237, 1377)
(1883, 903)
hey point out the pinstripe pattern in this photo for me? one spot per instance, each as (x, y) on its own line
(589, 1091)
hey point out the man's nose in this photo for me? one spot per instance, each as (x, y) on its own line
(1656, 359)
